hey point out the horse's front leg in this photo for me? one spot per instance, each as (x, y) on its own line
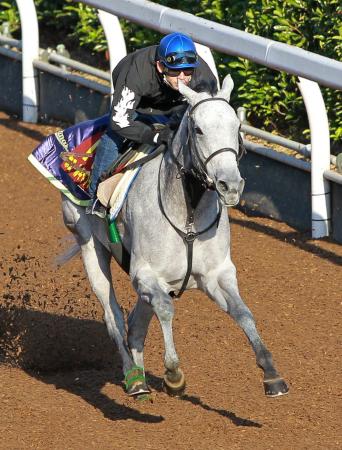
(222, 287)
(138, 322)
(151, 293)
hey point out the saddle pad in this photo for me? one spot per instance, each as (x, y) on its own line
(113, 192)
(66, 157)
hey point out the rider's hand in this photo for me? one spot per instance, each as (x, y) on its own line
(164, 136)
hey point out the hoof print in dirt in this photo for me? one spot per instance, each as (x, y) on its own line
(144, 398)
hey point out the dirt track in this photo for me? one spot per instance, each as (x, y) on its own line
(60, 387)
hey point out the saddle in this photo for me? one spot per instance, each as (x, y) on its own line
(112, 191)
(116, 183)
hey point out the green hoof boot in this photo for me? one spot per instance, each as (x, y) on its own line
(135, 382)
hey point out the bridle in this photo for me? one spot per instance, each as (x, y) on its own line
(198, 171)
(200, 166)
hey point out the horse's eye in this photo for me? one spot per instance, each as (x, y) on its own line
(198, 130)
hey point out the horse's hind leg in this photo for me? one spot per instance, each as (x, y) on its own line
(161, 304)
(101, 283)
(223, 289)
(96, 260)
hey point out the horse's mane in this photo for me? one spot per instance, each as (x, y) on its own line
(209, 87)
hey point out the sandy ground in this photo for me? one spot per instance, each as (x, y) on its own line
(60, 380)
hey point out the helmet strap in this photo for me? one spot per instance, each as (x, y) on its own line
(166, 81)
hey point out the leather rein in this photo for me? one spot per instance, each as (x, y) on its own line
(198, 171)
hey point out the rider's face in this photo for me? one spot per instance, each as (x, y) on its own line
(172, 75)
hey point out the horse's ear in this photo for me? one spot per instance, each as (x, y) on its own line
(227, 87)
(188, 93)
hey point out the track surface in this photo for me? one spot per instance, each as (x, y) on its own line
(60, 384)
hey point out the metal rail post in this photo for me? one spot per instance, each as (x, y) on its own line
(30, 50)
(206, 54)
(115, 39)
(320, 157)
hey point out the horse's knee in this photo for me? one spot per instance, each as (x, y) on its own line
(152, 294)
(163, 307)
(224, 289)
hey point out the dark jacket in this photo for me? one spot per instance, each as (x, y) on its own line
(138, 87)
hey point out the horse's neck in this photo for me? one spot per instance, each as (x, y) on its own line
(172, 187)
(179, 150)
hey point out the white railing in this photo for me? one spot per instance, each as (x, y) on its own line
(306, 65)
(115, 39)
(30, 48)
(266, 52)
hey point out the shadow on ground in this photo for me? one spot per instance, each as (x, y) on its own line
(14, 124)
(298, 239)
(77, 356)
(72, 354)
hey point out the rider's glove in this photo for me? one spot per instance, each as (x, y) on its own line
(164, 136)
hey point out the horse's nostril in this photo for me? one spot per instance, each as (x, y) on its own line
(222, 186)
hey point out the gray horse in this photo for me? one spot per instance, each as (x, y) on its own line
(174, 224)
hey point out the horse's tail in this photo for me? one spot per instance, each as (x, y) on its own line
(65, 257)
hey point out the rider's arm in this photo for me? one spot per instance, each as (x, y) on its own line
(126, 99)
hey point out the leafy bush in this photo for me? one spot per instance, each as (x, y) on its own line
(313, 25)
(9, 14)
(271, 98)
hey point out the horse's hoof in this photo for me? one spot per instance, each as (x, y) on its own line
(135, 382)
(275, 387)
(138, 389)
(174, 388)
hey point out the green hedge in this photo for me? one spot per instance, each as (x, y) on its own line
(272, 98)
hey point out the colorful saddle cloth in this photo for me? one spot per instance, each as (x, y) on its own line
(113, 191)
(65, 158)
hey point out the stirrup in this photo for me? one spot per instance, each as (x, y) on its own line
(97, 209)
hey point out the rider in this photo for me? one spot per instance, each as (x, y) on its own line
(145, 92)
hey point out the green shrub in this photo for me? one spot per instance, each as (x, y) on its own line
(272, 98)
(9, 14)
(314, 25)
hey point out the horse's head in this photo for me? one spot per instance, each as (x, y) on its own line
(213, 130)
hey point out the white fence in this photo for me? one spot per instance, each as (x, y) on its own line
(308, 66)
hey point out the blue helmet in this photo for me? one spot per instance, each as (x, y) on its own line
(177, 51)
